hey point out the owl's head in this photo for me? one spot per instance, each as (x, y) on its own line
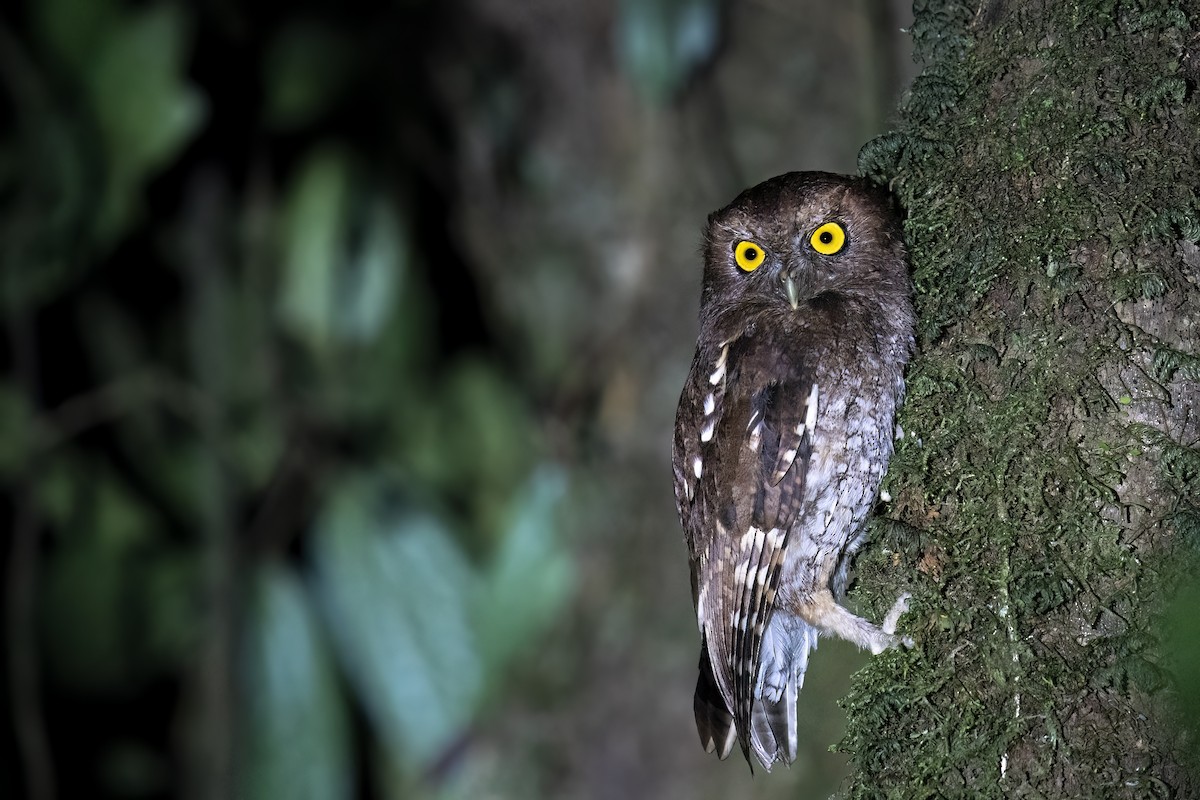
(803, 241)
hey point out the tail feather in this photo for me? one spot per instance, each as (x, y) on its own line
(713, 720)
(785, 650)
(773, 735)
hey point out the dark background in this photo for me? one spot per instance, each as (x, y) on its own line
(341, 348)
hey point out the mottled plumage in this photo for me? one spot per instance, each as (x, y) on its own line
(784, 430)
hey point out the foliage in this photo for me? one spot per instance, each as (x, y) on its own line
(661, 42)
(250, 437)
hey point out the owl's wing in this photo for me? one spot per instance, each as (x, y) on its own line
(701, 407)
(772, 475)
(748, 444)
(694, 459)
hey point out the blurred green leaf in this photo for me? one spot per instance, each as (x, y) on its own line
(56, 490)
(82, 606)
(345, 255)
(256, 444)
(73, 29)
(661, 42)
(296, 736)
(305, 69)
(144, 106)
(131, 769)
(397, 592)
(167, 591)
(49, 193)
(115, 344)
(16, 429)
(312, 227)
(90, 637)
(119, 600)
(487, 424)
(367, 287)
(530, 576)
(476, 438)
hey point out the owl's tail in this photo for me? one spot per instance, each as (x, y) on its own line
(786, 645)
(718, 733)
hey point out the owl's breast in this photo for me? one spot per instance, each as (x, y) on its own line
(851, 447)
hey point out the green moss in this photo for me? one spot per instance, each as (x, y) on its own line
(1180, 465)
(1186, 521)
(1039, 157)
(1168, 362)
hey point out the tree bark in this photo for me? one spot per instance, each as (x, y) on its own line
(1048, 472)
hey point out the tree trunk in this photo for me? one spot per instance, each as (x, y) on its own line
(1047, 480)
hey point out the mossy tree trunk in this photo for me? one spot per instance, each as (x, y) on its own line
(1047, 486)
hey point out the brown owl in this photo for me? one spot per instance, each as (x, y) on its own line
(783, 433)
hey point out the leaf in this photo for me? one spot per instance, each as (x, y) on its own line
(661, 42)
(312, 228)
(92, 644)
(73, 29)
(305, 69)
(345, 255)
(367, 287)
(397, 592)
(169, 586)
(530, 577)
(295, 728)
(144, 106)
(17, 432)
(477, 438)
(81, 606)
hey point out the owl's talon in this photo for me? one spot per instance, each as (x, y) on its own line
(893, 616)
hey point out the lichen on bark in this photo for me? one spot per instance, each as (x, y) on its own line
(1049, 468)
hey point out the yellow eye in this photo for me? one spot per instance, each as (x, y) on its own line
(828, 239)
(749, 256)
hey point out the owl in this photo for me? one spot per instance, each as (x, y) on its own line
(782, 436)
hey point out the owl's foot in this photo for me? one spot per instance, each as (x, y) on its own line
(823, 613)
(893, 617)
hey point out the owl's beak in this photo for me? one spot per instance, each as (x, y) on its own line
(793, 291)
